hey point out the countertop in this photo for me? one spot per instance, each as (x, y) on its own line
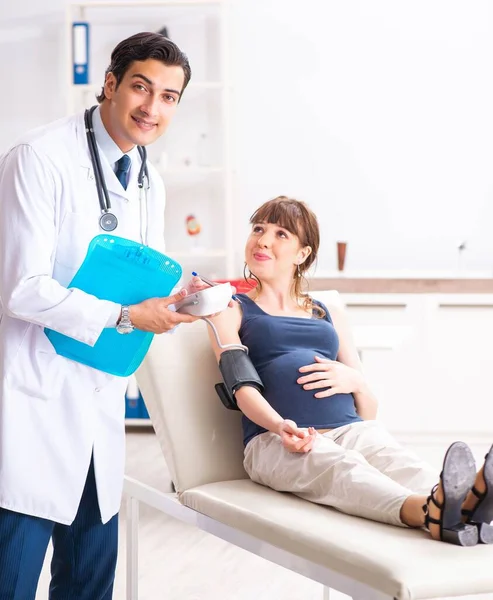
(398, 285)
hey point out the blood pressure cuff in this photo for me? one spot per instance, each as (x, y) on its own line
(237, 370)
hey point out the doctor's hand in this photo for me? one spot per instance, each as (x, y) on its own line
(154, 314)
(296, 439)
(334, 376)
(196, 285)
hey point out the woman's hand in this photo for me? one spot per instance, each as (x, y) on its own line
(196, 285)
(296, 439)
(334, 376)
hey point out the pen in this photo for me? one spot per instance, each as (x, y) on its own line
(213, 283)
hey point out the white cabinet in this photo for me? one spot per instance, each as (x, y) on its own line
(429, 359)
(194, 155)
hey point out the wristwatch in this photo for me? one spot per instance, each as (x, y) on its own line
(125, 324)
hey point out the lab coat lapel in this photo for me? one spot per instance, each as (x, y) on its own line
(87, 171)
(83, 148)
(134, 168)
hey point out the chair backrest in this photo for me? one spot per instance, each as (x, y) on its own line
(202, 441)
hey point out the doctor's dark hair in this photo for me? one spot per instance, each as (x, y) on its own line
(143, 46)
(296, 217)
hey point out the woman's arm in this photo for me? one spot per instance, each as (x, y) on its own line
(249, 400)
(365, 401)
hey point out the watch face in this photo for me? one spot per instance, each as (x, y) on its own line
(123, 328)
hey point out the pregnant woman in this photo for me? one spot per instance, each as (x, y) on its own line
(312, 430)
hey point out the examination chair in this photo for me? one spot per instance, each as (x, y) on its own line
(361, 558)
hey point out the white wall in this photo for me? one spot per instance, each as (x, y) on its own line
(377, 113)
(31, 38)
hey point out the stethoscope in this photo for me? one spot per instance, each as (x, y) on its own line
(107, 220)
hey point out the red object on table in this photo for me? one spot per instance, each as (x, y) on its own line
(242, 287)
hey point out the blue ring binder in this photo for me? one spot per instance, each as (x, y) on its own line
(80, 52)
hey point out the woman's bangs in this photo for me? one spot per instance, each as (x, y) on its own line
(285, 215)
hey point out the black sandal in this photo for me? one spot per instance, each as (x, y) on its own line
(457, 477)
(482, 514)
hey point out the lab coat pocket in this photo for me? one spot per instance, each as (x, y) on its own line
(39, 375)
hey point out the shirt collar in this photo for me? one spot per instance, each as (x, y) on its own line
(106, 144)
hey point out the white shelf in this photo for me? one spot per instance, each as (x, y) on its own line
(186, 177)
(187, 171)
(138, 423)
(190, 170)
(180, 255)
(400, 274)
(206, 85)
(144, 3)
(199, 85)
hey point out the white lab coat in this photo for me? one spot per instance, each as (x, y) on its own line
(54, 412)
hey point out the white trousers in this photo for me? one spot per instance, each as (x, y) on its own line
(359, 469)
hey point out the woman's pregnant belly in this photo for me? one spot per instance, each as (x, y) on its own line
(291, 401)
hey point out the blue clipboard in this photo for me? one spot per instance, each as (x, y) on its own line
(125, 272)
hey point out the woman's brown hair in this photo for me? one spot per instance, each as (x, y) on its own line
(294, 216)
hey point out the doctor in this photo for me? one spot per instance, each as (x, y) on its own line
(62, 423)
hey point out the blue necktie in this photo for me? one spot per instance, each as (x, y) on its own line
(122, 168)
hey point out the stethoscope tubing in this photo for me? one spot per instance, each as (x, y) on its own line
(103, 195)
(143, 167)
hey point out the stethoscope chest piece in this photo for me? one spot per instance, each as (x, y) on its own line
(108, 222)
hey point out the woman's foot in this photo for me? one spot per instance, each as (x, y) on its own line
(443, 506)
(472, 499)
(412, 513)
(415, 509)
(433, 512)
(420, 511)
(477, 508)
